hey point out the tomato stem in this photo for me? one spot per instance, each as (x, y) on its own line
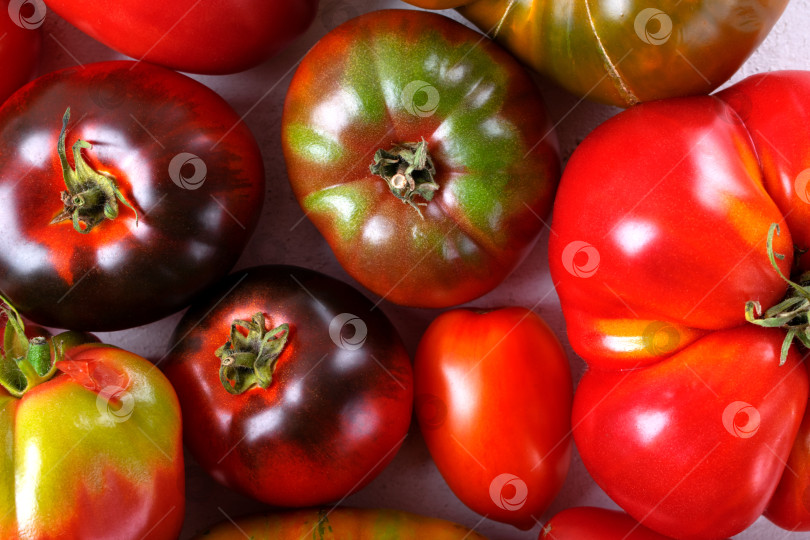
(792, 313)
(91, 196)
(409, 172)
(23, 364)
(249, 360)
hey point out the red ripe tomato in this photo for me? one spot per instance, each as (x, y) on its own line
(789, 507)
(660, 263)
(589, 523)
(427, 172)
(197, 36)
(19, 48)
(694, 445)
(127, 227)
(294, 389)
(493, 400)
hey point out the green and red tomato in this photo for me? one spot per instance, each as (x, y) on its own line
(92, 446)
(423, 154)
(623, 54)
(340, 524)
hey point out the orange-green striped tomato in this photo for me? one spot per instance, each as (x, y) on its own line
(623, 53)
(340, 524)
(92, 450)
(422, 153)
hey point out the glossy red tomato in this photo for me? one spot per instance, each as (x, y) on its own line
(493, 399)
(427, 174)
(659, 264)
(789, 507)
(127, 227)
(694, 446)
(294, 388)
(197, 36)
(589, 523)
(92, 443)
(20, 45)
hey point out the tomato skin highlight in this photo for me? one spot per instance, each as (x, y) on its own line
(90, 466)
(339, 404)
(341, 523)
(19, 52)
(486, 130)
(147, 125)
(493, 399)
(590, 523)
(189, 35)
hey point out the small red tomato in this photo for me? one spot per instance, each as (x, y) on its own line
(589, 523)
(494, 397)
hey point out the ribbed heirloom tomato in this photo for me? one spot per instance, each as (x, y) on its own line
(91, 445)
(197, 36)
(295, 390)
(20, 45)
(422, 153)
(493, 399)
(674, 226)
(126, 189)
(622, 53)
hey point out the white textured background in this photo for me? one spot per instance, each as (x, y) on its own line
(411, 482)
